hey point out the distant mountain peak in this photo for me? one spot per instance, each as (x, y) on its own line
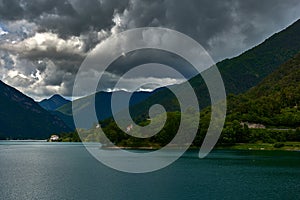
(56, 96)
(53, 102)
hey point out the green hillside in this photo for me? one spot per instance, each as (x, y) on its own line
(272, 106)
(271, 74)
(275, 101)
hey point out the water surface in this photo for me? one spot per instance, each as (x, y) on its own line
(40, 170)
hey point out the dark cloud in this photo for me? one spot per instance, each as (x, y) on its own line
(65, 17)
(133, 59)
(10, 9)
(231, 24)
(209, 22)
(71, 28)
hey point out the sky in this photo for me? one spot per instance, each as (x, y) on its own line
(44, 42)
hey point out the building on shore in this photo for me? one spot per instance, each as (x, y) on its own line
(54, 138)
(253, 125)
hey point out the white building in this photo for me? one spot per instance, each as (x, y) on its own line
(54, 138)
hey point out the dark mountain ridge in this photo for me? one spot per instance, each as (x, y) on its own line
(22, 118)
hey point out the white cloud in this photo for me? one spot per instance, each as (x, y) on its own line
(2, 32)
(47, 42)
(131, 83)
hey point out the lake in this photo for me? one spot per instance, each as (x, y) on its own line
(63, 171)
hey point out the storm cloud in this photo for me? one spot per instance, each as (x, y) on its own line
(43, 42)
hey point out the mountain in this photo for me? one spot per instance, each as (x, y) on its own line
(267, 113)
(270, 105)
(53, 103)
(67, 119)
(22, 118)
(239, 74)
(103, 105)
(273, 102)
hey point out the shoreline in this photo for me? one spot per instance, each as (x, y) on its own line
(287, 146)
(23, 140)
(283, 146)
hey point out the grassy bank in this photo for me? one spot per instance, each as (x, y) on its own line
(285, 146)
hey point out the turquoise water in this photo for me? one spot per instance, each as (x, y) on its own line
(38, 170)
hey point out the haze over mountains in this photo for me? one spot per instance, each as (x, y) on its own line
(102, 105)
